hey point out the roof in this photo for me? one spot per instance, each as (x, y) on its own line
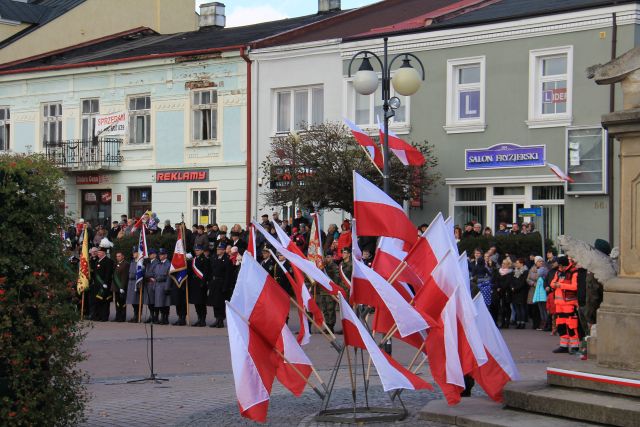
(144, 43)
(35, 12)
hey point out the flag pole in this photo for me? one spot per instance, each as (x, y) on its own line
(296, 370)
(353, 384)
(372, 161)
(140, 302)
(82, 307)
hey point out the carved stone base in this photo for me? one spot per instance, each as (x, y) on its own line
(619, 325)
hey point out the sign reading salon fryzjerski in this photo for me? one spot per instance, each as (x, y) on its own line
(505, 156)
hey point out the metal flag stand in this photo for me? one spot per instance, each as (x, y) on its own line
(358, 414)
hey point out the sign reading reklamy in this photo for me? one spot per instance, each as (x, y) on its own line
(505, 156)
(111, 124)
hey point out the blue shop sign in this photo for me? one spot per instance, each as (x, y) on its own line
(501, 156)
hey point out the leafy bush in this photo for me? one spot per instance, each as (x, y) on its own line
(40, 333)
(520, 245)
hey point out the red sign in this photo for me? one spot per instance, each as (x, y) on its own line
(194, 175)
(555, 96)
(91, 179)
(106, 197)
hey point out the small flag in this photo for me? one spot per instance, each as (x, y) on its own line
(559, 173)
(142, 254)
(405, 152)
(367, 142)
(83, 274)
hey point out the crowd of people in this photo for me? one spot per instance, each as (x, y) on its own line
(551, 293)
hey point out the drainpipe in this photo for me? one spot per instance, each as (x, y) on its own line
(244, 56)
(612, 105)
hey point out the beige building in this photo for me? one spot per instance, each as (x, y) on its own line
(33, 27)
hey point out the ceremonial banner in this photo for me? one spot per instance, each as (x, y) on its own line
(178, 269)
(314, 251)
(85, 271)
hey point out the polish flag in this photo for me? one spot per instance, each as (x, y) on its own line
(299, 261)
(369, 288)
(392, 375)
(367, 142)
(389, 255)
(378, 214)
(356, 253)
(296, 359)
(259, 298)
(559, 173)
(500, 367)
(405, 152)
(314, 252)
(253, 365)
(251, 244)
(178, 268)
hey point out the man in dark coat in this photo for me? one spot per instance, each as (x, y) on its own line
(120, 282)
(90, 294)
(133, 288)
(267, 262)
(103, 278)
(179, 294)
(163, 287)
(149, 290)
(219, 284)
(199, 276)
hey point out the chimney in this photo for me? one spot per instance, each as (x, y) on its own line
(325, 6)
(212, 15)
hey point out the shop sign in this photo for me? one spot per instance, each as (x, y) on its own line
(105, 197)
(90, 197)
(91, 179)
(193, 175)
(501, 156)
(555, 96)
(529, 212)
(112, 124)
(283, 176)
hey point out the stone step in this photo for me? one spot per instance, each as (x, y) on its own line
(585, 405)
(482, 412)
(589, 376)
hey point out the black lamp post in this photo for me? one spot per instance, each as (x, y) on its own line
(406, 81)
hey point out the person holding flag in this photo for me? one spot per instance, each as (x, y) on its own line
(179, 276)
(120, 284)
(133, 284)
(84, 272)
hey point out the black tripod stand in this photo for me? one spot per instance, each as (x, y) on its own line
(152, 376)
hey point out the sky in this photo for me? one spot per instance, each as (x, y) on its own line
(246, 12)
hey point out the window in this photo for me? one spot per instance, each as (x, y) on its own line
(465, 95)
(5, 128)
(203, 207)
(205, 115)
(550, 87)
(140, 120)
(367, 109)
(52, 123)
(139, 201)
(90, 109)
(586, 160)
(296, 109)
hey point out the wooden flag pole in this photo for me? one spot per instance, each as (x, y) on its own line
(415, 357)
(353, 384)
(372, 161)
(140, 303)
(82, 307)
(186, 280)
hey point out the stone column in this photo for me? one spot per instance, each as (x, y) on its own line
(619, 314)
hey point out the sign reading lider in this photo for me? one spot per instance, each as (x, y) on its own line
(505, 156)
(194, 175)
(112, 124)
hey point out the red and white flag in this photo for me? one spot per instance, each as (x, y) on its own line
(314, 251)
(368, 287)
(392, 375)
(356, 252)
(296, 359)
(405, 152)
(500, 367)
(309, 268)
(559, 173)
(378, 214)
(259, 298)
(367, 142)
(253, 366)
(251, 244)
(389, 255)
(178, 269)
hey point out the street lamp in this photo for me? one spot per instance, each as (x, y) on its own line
(406, 81)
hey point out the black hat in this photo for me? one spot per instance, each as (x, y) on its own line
(162, 251)
(198, 248)
(328, 253)
(152, 251)
(346, 249)
(134, 249)
(222, 245)
(564, 261)
(603, 246)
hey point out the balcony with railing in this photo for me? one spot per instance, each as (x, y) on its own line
(82, 155)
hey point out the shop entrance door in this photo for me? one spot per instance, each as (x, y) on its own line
(96, 207)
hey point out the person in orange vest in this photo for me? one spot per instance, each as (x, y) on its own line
(565, 286)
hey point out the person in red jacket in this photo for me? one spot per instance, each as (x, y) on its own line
(344, 240)
(565, 288)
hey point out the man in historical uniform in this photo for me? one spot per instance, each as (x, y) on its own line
(149, 290)
(133, 287)
(163, 287)
(120, 282)
(91, 293)
(326, 303)
(104, 269)
(268, 262)
(346, 265)
(199, 275)
(219, 284)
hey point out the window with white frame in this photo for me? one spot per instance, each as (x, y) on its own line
(365, 110)
(5, 128)
(204, 115)
(52, 123)
(550, 86)
(140, 119)
(298, 108)
(203, 206)
(465, 95)
(90, 109)
(586, 160)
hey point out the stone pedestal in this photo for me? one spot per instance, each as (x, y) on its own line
(619, 314)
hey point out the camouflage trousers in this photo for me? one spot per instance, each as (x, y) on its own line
(328, 307)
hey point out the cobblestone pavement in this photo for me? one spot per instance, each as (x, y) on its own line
(200, 390)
